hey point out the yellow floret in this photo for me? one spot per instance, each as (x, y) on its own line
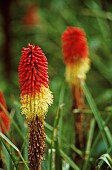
(77, 71)
(36, 105)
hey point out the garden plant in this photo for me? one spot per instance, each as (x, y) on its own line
(56, 85)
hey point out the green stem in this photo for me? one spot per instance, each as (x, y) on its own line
(89, 142)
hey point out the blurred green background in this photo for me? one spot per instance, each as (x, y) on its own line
(42, 23)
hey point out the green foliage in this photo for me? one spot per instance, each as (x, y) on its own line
(105, 158)
(95, 17)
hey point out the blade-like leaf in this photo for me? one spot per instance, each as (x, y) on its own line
(107, 137)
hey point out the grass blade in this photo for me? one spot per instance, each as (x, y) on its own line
(88, 147)
(12, 121)
(102, 126)
(105, 158)
(3, 137)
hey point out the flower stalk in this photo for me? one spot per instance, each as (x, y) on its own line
(35, 97)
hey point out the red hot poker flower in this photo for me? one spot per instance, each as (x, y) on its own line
(4, 119)
(35, 98)
(75, 54)
(74, 45)
(33, 79)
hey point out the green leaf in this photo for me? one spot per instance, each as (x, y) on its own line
(106, 134)
(8, 141)
(105, 158)
(3, 137)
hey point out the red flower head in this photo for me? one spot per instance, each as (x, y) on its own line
(4, 119)
(32, 70)
(74, 45)
(75, 54)
(33, 79)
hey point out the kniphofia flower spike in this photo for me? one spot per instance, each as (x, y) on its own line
(75, 53)
(35, 98)
(4, 119)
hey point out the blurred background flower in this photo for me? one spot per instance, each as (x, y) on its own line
(4, 118)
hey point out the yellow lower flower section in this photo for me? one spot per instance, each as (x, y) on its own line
(77, 71)
(36, 105)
